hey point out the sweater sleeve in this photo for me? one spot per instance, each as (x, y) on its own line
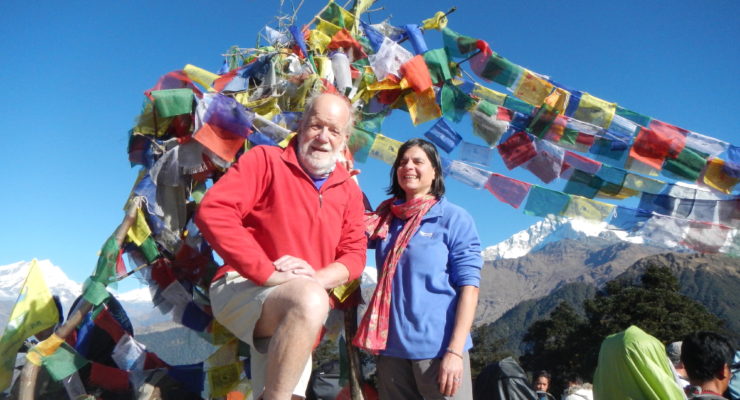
(221, 214)
(352, 247)
(465, 255)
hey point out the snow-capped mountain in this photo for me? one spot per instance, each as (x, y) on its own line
(552, 230)
(137, 302)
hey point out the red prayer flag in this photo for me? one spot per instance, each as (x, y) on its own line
(653, 146)
(223, 143)
(108, 323)
(108, 378)
(416, 73)
(517, 150)
(504, 114)
(508, 190)
(173, 80)
(344, 40)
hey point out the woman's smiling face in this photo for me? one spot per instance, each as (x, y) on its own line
(415, 173)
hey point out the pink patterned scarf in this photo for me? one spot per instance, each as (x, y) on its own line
(372, 333)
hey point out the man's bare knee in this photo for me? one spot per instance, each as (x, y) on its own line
(301, 299)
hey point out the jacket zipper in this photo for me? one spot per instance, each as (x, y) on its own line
(321, 200)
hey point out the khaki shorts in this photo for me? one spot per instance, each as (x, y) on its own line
(237, 305)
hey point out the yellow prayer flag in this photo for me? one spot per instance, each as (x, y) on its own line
(327, 27)
(139, 231)
(581, 207)
(531, 88)
(715, 177)
(344, 291)
(284, 143)
(489, 95)
(44, 349)
(318, 41)
(557, 100)
(385, 149)
(222, 379)
(226, 354)
(422, 106)
(197, 74)
(643, 184)
(624, 192)
(33, 312)
(595, 110)
(438, 21)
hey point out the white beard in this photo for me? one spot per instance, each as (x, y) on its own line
(317, 165)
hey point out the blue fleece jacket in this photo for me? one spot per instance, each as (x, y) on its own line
(443, 255)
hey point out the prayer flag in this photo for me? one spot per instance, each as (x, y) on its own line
(373, 36)
(594, 110)
(223, 378)
(34, 311)
(344, 40)
(360, 143)
(109, 378)
(416, 73)
(438, 21)
(637, 118)
(438, 65)
(475, 154)
(416, 38)
(422, 106)
(443, 136)
(171, 102)
(454, 102)
(385, 149)
(548, 161)
(591, 210)
(139, 230)
(489, 95)
(458, 45)
(468, 174)
(514, 104)
(652, 147)
(199, 75)
(388, 59)
(508, 190)
(174, 80)
(577, 161)
(516, 150)
(705, 144)
(63, 362)
(338, 15)
(191, 376)
(716, 178)
(531, 88)
(688, 165)
(665, 231)
(643, 184)
(629, 219)
(547, 203)
(583, 184)
(492, 67)
(486, 123)
(706, 237)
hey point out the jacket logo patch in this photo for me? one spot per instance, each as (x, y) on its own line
(426, 234)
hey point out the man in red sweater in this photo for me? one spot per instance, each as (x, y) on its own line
(288, 225)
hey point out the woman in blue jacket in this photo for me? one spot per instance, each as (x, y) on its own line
(428, 254)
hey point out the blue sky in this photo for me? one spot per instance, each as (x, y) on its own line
(74, 74)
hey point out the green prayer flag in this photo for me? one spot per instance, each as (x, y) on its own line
(171, 102)
(570, 136)
(512, 103)
(360, 143)
(543, 202)
(94, 292)
(500, 70)
(583, 184)
(106, 267)
(458, 45)
(454, 102)
(487, 108)
(633, 116)
(688, 165)
(149, 249)
(439, 65)
(337, 15)
(198, 192)
(63, 362)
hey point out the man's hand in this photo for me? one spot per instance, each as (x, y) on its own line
(293, 265)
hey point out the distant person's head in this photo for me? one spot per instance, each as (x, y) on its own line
(323, 133)
(673, 351)
(541, 381)
(707, 357)
(573, 380)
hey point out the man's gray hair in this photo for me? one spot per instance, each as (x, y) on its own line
(311, 100)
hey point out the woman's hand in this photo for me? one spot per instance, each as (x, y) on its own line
(450, 374)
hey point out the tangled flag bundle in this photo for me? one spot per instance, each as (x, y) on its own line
(195, 123)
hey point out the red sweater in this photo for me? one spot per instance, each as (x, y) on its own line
(266, 206)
